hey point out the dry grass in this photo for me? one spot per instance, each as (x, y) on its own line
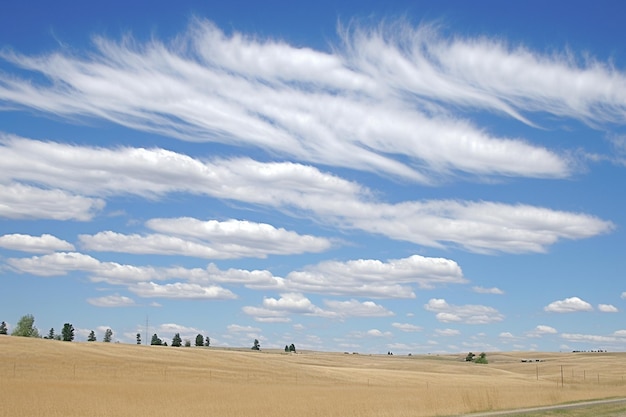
(51, 378)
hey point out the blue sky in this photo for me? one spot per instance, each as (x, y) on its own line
(415, 177)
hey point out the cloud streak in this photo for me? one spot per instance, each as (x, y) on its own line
(478, 226)
(374, 103)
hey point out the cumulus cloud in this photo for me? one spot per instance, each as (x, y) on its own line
(541, 330)
(181, 290)
(468, 314)
(111, 301)
(607, 308)
(37, 244)
(447, 332)
(568, 305)
(207, 239)
(280, 310)
(478, 226)
(374, 278)
(303, 103)
(406, 327)
(20, 201)
(493, 290)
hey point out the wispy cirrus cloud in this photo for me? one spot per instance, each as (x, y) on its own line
(395, 82)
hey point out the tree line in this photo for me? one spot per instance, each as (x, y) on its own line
(26, 328)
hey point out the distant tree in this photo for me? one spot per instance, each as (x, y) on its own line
(286, 348)
(469, 357)
(256, 345)
(292, 348)
(68, 332)
(138, 338)
(207, 341)
(164, 343)
(58, 337)
(91, 337)
(50, 334)
(155, 340)
(482, 358)
(199, 340)
(108, 335)
(3, 328)
(177, 341)
(26, 327)
(187, 343)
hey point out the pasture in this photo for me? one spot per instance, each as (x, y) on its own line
(60, 379)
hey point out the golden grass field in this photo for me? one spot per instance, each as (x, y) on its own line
(46, 378)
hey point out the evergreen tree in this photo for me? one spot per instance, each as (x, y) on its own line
(286, 348)
(50, 334)
(199, 340)
(256, 345)
(108, 335)
(26, 327)
(3, 328)
(91, 337)
(155, 340)
(138, 338)
(67, 332)
(207, 341)
(177, 341)
(292, 348)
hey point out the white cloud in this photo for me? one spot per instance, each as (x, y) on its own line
(493, 290)
(406, 327)
(541, 330)
(506, 335)
(468, 314)
(210, 239)
(447, 332)
(21, 201)
(37, 244)
(476, 226)
(209, 86)
(607, 308)
(375, 333)
(279, 310)
(111, 301)
(355, 308)
(568, 305)
(236, 328)
(374, 278)
(181, 290)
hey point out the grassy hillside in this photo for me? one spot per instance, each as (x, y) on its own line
(52, 378)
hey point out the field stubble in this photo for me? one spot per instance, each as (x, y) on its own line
(52, 378)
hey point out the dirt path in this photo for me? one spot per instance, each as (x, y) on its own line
(549, 408)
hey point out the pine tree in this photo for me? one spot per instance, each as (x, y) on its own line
(108, 335)
(3, 328)
(207, 342)
(50, 334)
(155, 340)
(67, 332)
(91, 337)
(177, 341)
(199, 340)
(256, 345)
(138, 338)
